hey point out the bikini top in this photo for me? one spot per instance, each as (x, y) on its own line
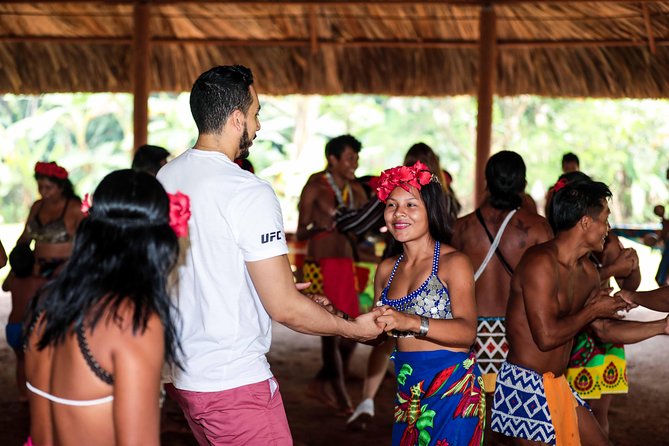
(431, 299)
(92, 364)
(53, 232)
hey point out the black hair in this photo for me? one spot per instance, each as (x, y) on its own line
(424, 153)
(336, 146)
(569, 177)
(570, 157)
(123, 251)
(579, 197)
(22, 260)
(149, 159)
(505, 179)
(64, 184)
(439, 221)
(364, 182)
(217, 93)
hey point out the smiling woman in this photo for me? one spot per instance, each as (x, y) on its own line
(428, 290)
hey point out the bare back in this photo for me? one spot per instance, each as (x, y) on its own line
(135, 362)
(525, 229)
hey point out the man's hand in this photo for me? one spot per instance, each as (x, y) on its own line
(605, 305)
(366, 326)
(626, 262)
(628, 296)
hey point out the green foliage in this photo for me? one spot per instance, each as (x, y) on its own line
(623, 143)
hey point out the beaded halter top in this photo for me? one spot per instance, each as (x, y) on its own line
(52, 232)
(431, 299)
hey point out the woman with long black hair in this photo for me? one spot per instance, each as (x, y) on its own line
(428, 288)
(101, 331)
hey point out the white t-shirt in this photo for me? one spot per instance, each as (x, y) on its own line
(236, 218)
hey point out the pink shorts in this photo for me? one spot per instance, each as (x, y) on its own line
(231, 417)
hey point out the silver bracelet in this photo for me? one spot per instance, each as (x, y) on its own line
(424, 326)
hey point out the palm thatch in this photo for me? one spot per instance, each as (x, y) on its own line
(553, 48)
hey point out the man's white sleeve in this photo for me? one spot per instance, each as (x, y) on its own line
(258, 222)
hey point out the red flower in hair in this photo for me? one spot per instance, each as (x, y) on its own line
(50, 170)
(559, 185)
(417, 176)
(86, 204)
(179, 213)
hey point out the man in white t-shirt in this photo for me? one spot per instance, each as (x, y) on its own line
(236, 276)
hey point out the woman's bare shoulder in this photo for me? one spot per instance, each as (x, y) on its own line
(454, 261)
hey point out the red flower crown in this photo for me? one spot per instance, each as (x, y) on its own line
(179, 211)
(50, 170)
(417, 176)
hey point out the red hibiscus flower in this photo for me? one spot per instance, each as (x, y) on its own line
(405, 177)
(179, 213)
(559, 185)
(86, 205)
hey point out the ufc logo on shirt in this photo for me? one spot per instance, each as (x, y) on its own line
(270, 237)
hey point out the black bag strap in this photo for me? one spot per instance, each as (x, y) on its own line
(501, 258)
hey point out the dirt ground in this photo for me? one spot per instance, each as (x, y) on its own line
(639, 418)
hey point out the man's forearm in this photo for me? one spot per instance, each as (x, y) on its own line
(274, 283)
(302, 314)
(628, 332)
(305, 316)
(657, 299)
(630, 282)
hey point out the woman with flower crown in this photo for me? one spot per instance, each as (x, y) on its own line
(429, 289)
(53, 219)
(99, 334)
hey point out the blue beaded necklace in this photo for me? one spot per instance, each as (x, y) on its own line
(428, 299)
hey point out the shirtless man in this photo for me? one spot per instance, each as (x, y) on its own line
(598, 370)
(505, 177)
(555, 292)
(329, 262)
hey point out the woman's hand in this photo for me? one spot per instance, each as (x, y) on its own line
(325, 303)
(396, 320)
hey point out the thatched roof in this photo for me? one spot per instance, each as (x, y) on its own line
(553, 48)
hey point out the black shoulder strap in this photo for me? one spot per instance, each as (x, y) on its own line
(501, 258)
(62, 214)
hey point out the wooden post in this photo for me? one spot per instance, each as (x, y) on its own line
(141, 55)
(486, 90)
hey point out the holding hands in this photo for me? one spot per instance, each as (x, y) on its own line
(398, 322)
(607, 306)
(629, 297)
(365, 327)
